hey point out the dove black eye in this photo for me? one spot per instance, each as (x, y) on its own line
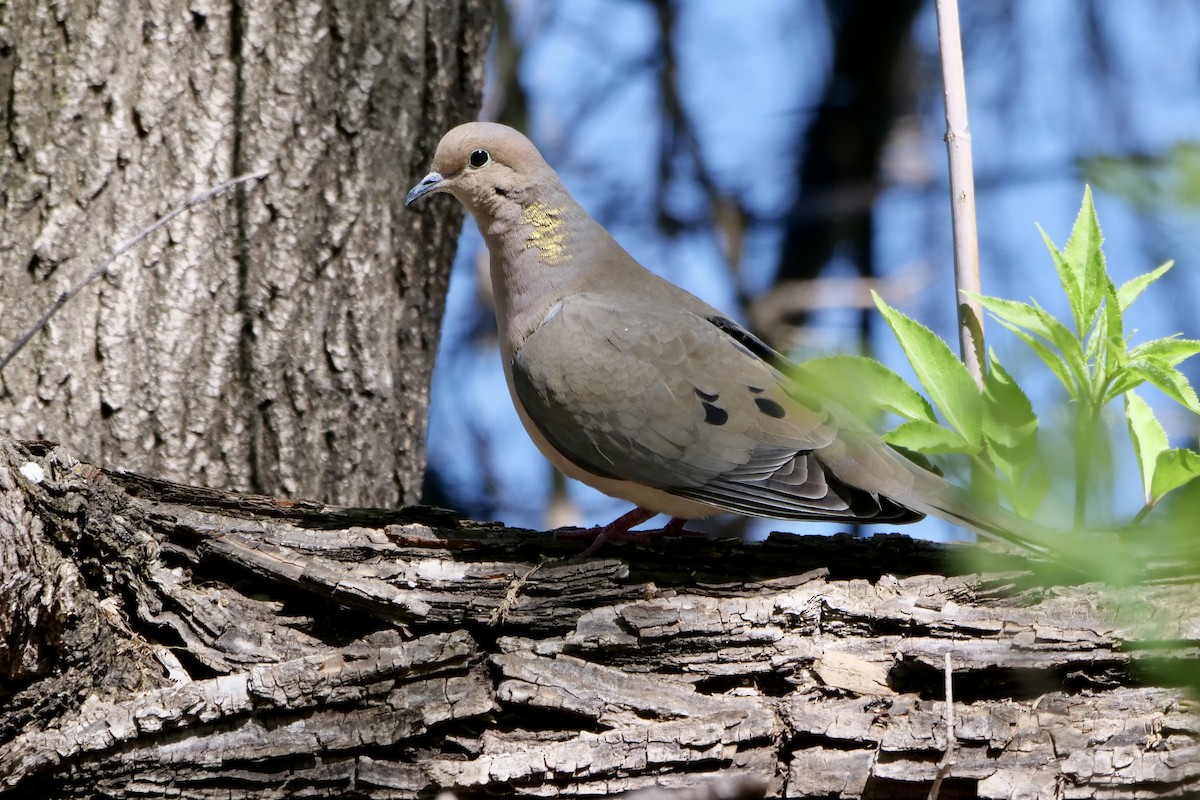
(479, 158)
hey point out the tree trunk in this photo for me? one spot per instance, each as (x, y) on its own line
(161, 640)
(278, 339)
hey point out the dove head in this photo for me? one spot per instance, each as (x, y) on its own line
(517, 200)
(536, 233)
(486, 166)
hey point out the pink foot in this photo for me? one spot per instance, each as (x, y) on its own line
(620, 530)
(675, 526)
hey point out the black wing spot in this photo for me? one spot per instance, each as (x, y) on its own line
(755, 389)
(715, 415)
(769, 407)
(501, 191)
(705, 396)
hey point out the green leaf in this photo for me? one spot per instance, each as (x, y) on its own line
(1173, 469)
(944, 377)
(864, 386)
(1169, 381)
(1067, 276)
(1129, 378)
(1053, 360)
(1114, 335)
(1027, 485)
(1125, 380)
(1133, 288)
(1008, 418)
(1105, 350)
(1095, 351)
(1115, 379)
(929, 438)
(1170, 350)
(1010, 431)
(1149, 439)
(1084, 257)
(1037, 320)
(1024, 315)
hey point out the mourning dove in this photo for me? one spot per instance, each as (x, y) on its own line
(641, 390)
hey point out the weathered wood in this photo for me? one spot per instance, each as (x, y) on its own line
(163, 641)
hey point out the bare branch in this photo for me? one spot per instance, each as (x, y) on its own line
(66, 296)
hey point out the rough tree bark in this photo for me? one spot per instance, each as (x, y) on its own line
(278, 340)
(165, 641)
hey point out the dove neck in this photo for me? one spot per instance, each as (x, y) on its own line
(541, 252)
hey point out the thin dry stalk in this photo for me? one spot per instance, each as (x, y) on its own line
(962, 191)
(947, 761)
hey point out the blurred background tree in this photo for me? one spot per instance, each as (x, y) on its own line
(780, 159)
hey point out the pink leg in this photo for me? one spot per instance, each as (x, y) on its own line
(617, 529)
(675, 526)
(620, 528)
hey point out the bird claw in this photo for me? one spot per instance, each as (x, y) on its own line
(619, 531)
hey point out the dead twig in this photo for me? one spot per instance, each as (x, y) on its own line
(962, 192)
(948, 754)
(500, 614)
(66, 296)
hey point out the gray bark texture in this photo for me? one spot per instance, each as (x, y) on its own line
(279, 338)
(162, 640)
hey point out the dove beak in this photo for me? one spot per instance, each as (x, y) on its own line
(433, 182)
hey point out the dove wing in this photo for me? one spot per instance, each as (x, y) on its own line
(688, 404)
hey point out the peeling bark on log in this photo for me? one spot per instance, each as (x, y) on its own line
(166, 641)
(280, 338)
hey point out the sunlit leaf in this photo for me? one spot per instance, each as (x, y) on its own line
(1170, 350)
(928, 437)
(1070, 279)
(1010, 430)
(1025, 315)
(1096, 350)
(1125, 380)
(1084, 257)
(1169, 381)
(1008, 418)
(944, 377)
(1114, 335)
(1132, 289)
(1053, 360)
(1173, 469)
(1037, 320)
(864, 385)
(1149, 438)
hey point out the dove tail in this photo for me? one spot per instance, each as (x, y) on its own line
(936, 497)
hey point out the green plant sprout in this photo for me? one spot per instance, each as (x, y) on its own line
(996, 429)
